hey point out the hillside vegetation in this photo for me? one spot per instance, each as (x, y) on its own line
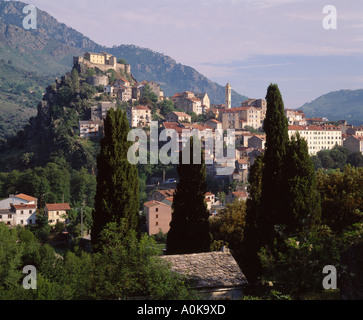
(338, 105)
(39, 56)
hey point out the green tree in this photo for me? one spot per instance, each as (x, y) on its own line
(229, 226)
(355, 159)
(148, 96)
(302, 197)
(134, 269)
(117, 194)
(75, 86)
(273, 196)
(189, 228)
(342, 197)
(254, 231)
(166, 106)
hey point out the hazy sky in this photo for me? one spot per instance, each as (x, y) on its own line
(249, 43)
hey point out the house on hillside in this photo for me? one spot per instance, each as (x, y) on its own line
(257, 141)
(25, 214)
(354, 143)
(139, 116)
(160, 195)
(176, 116)
(236, 196)
(158, 217)
(214, 275)
(17, 199)
(88, 129)
(57, 212)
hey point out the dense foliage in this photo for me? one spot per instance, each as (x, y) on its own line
(134, 269)
(117, 196)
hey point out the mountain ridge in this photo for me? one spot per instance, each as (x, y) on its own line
(146, 63)
(337, 105)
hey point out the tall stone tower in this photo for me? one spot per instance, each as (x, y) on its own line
(228, 96)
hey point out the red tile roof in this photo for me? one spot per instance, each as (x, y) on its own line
(240, 194)
(25, 197)
(141, 108)
(154, 203)
(57, 206)
(24, 206)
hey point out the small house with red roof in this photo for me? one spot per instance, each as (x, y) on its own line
(57, 212)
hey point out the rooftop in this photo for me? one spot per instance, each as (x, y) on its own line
(25, 197)
(154, 203)
(208, 270)
(57, 206)
(24, 206)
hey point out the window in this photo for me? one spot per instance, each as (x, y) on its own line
(30, 211)
(9, 216)
(1, 216)
(57, 213)
(157, 223)
(157, 210)
(157, 216)
(21, 212)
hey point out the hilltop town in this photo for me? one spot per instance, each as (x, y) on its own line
(99, 83)
(187, 111)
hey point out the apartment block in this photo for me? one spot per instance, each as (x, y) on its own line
(318, 137)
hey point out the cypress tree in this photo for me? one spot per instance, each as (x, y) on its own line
(117, 194)
(302, 195)
(189, 229)
(273, 197)
(254, 232)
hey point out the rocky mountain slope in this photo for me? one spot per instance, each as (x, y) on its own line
(48, 52)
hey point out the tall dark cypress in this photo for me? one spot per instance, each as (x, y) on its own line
(254, 231)
(277, 139)
(189, 229)
(117, 195)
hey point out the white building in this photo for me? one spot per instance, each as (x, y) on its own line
(318, 137)
(17, 199)
(18, 209)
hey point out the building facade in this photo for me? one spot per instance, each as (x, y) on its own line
(139, 116)
(354, 143)
(318, 137)
(158, 217)
(57, 212)
(241, 117)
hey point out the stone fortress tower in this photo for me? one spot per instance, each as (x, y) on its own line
(228, 96)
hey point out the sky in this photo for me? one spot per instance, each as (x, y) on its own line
(248, 43)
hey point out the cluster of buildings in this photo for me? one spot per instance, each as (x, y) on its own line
(22, 209)
(190, 102)
(158, 210)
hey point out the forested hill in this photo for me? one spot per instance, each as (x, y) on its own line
(338, 105)
(48, 52)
